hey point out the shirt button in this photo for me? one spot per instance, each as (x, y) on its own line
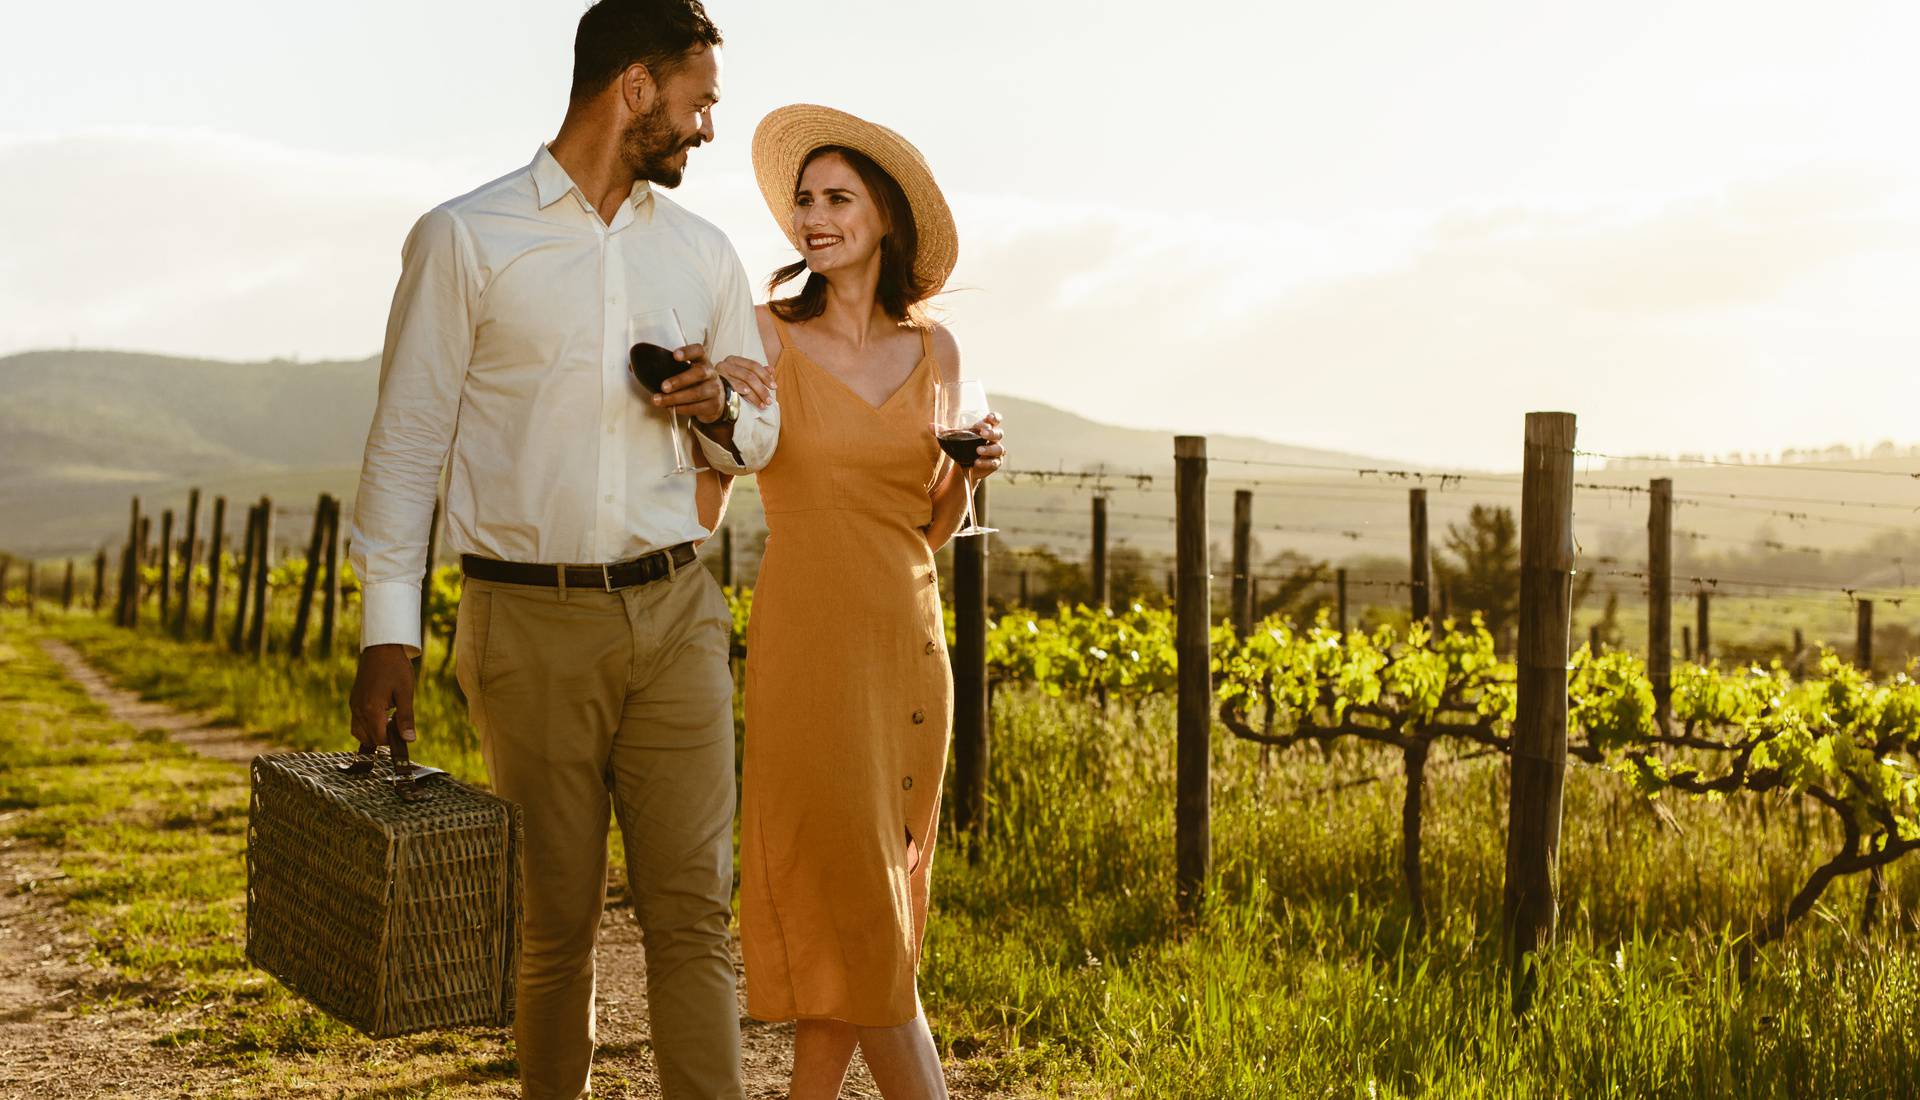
(933, 647)
(907, 783)
(919, 716)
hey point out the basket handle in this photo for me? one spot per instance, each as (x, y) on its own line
(406, 783)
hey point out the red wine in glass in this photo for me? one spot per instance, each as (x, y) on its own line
(653, 365)
(962, 446)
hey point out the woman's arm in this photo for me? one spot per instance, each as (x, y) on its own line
(949, 490)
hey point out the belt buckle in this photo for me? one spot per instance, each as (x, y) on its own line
(606, 577)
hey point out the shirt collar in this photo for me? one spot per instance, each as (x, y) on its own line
(551, 182)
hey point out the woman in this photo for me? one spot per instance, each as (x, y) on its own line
(849, 694)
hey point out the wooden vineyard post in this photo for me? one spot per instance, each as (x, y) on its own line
(1026, 598)
(216, 549)
(1101, 596)
(1340, 589)
(1194, 614)
(970, 733)
(1422, 558)
(726, 557)
(1593, 639)
(66, 589)
(1702, 613)
(140, 589)
(1686, 642)
(99, 580)
(126, 613)
(6, 566)
(245, 579)
(262, 566)
(1799, 640)
(1660, 599)
(166, 569)
(33, 586)
(1863, 636)
(188, 558)
(330, 586)
(309, 580)
(1539, 755)
(1242, 592)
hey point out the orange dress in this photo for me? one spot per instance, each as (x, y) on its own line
(849, 703)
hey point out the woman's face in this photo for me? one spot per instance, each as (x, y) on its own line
(834, 218)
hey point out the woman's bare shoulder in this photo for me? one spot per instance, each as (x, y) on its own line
(769, 335)
(946, 351)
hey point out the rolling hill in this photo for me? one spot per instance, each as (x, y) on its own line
(81, 431)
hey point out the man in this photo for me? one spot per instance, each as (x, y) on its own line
(591, 647)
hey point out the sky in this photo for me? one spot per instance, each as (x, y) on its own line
(1388, 228)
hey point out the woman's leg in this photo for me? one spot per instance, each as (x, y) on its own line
(903, 1061)
(821, 1051)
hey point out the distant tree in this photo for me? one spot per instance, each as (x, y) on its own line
(1484, 573)
(1293, 585)
(1132, 577)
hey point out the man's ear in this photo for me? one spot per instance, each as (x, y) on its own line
(637, 89)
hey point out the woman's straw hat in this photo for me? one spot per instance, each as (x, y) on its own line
(785, 137)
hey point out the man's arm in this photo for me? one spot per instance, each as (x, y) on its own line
(750, 444)
(422, 368)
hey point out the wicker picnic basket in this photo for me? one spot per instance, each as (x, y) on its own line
(389, 900)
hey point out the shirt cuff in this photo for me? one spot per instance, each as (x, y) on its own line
(390, 615)
(754, 435)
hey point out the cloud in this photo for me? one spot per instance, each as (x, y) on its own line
(1752, 316)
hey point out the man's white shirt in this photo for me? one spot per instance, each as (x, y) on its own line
(507, 347)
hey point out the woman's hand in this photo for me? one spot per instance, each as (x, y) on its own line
(755, 382)
(991, 453)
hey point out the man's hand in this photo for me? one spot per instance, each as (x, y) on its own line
(383, 684)
(695, 391)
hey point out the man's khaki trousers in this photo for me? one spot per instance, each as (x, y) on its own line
(588, 701)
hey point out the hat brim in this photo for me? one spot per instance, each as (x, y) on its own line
(787, 135)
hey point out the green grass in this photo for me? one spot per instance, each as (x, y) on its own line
(1060, 957)
(150, 840)
(1298, 980)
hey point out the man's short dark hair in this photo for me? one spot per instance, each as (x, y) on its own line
(659, 34)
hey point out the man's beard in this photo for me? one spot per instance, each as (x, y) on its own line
(650, 142)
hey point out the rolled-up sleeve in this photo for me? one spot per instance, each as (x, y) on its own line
(423, 366)
(735, 332)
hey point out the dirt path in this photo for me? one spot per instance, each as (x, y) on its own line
(55, 1042)
(52, 1046)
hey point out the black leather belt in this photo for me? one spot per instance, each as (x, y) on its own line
(610, 577)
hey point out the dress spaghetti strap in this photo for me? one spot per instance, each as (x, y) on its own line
(780, 329)
(926, 343)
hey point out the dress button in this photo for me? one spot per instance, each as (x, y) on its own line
(907, 783)
(919, 716)
(932, 648)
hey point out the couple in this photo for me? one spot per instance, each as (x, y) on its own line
(591, 646)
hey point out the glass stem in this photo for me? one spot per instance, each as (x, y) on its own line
(679, 455)
(966, 480)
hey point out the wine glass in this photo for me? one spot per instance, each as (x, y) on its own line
(958, 406)
(652, 338)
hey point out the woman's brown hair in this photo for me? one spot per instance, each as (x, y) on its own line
(901, 290)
